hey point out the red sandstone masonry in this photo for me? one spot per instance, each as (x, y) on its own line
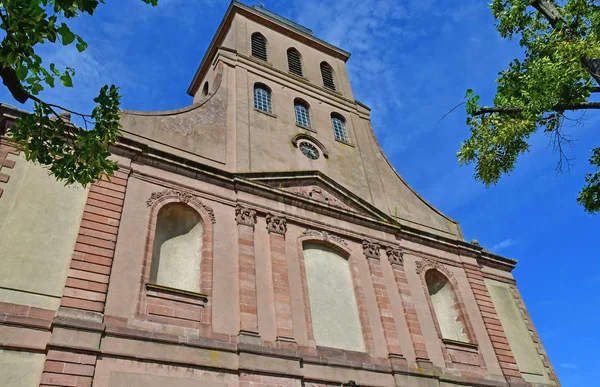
(91, 262)
(281, 286)
(412, 320)
(385, 307)
(247, 276)
(6, 148)
(363, 314)
(68, 368)
(491, 321)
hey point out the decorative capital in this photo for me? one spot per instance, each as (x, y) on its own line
(371, 249)
(395, 256)
(183, 197)
(276, 224)
(245, 216)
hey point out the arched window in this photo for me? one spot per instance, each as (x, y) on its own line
(339, 127)
(177, 249)
(447, 309)
(302, 113)
(262, 98)
(294, 62)
(327, 75)
(259, 46)
(333, 307)
(205, 89)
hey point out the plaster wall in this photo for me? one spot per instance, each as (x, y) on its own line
(519, 338)
(177, 249)
(333, 305)
(20, 369)
(39, 223)
(277, 46)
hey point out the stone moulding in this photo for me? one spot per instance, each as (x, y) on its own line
(325, 235)
(395, 256)
(183, 197)
(371, 249)
(276, 224)
(245, 216)
(427, 263)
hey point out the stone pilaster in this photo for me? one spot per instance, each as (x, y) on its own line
(371, 251)
(492, 323)
(246, 220)
(396, 259)
(277, 227)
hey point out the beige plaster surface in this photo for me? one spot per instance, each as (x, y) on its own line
(333, 305)
(444, 303)
(177, 250)
(519, 337)
(20, 369)
(39, 223)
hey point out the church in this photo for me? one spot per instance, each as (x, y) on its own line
(256, 238)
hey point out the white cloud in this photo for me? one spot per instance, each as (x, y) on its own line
(569, 366)
(503, 244)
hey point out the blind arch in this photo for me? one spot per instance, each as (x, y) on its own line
(447, 309)
(177, 248)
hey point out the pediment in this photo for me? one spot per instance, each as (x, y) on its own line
(317, 188)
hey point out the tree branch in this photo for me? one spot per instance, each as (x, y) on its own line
(517, 109)
(558, 22)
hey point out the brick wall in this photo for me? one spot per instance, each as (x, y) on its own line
(5, 149)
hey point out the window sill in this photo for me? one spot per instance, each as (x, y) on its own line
(265, 113)
(306, 128)
(460, 345)
(166, 290)
(259, 60)
(345, 143)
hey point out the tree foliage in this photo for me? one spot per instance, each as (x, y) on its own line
(72, 154)
(560, 72)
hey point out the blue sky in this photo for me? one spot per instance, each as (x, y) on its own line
(412, 61)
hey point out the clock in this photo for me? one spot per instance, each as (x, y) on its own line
(309, 150)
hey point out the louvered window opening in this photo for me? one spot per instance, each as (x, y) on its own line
(262, 99)
(302, 115)
(259, 47)
(339, 129)
(294, 62)
(327, 74)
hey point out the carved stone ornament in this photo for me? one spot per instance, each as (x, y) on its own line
(276, 224)
(428, 263)
(320, 195)
(183, 197)
(395, 256)
(325, 235)
(245, 216)
(371, 249)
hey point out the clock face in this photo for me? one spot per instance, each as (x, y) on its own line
(309, 150)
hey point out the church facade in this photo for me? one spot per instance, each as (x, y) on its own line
(258, 237)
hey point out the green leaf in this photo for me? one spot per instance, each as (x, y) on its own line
(22, 72)
(81, 44)
(66, 80)
(469, 93)
(54, 70)
(66, 34)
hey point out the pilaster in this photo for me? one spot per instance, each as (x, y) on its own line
(396, 259)
(371, 251)
(277, 227)
(246, 220)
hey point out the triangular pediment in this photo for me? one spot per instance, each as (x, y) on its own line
(319, 189)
